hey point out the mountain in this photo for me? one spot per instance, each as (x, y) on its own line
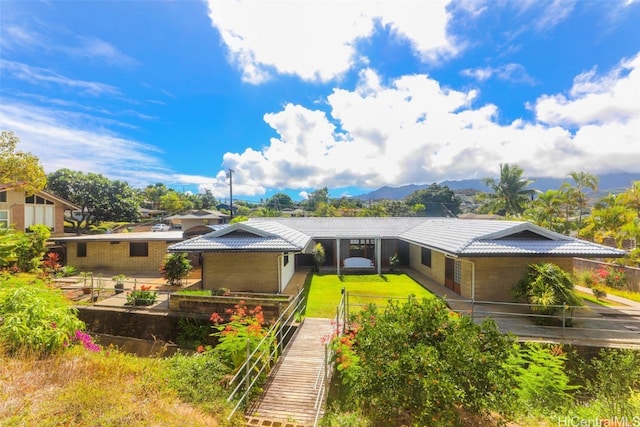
(613, 182)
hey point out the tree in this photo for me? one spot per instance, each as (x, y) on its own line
(510, 194)
(318, 255)
(576, 196)
(279, 201)
(317, 197)
(19, 169)
(546, 211)
(173, 201)
(99, 198)
(23, 251)
(436, 201)
(152, 194)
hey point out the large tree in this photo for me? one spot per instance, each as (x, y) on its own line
(279, 201)
(510, 195)
(99, 198)
(19, 169)
(435, 200)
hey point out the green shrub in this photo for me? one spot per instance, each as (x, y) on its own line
(539, 373)
(175, 268)
(35, 319)
(614, 378)
(192, 332)
(417, 363)
(547, 288)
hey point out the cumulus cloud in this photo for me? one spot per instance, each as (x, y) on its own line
(314, 41)
(595, 99)
(414, 130)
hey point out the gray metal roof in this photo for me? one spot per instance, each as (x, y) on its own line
(344, 228)
(458, 237)
(171, 235)
(490, 237)
(242, 236)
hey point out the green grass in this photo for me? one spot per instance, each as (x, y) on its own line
(324, 291)
(593, 299)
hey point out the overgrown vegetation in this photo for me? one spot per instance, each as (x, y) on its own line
(417, 363)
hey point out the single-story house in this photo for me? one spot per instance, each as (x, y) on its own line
(196, 218)
(478, 259)
(21, 211)
(121, 252)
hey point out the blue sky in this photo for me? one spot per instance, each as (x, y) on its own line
(298, 95)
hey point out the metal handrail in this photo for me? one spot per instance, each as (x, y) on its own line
(274, 334)
(325, 371)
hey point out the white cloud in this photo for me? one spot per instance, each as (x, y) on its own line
(42, 76)
(59, 140)
(595, 99)
(316, 42)
(416, 131)
(509, 72)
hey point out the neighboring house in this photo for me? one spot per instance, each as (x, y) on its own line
(117, 252)
(22, 211)
(478, 259)
(196, 218)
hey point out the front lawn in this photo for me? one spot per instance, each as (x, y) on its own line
(324, 291)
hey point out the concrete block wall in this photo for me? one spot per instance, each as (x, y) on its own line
(242, 272)
(115, 257)
(496, 276)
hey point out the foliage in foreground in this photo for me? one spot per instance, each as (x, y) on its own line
(35, 319)
(419, 363)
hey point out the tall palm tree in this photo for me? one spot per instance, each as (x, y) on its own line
(510, 195)
(581, 181)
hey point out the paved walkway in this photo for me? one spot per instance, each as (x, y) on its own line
(595, 325)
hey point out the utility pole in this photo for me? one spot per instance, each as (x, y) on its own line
(230, 175)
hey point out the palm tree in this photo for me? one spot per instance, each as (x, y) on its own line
(582, 181)
(546, 211)
(510, 195)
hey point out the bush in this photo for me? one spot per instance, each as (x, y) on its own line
(547, 288)
(175, 268)
(611, 277)
(142, 297)
(35, 319)
(417, 363)
(539, 372)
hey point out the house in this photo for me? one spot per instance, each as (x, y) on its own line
(21, 211)
(197, 218)
(477, 258)
(117, 252)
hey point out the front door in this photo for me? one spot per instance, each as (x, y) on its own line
(450, 275)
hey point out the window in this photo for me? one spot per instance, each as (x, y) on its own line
(286, 259)
(38, 210)
(457, 272)
(4, 219)
(364, 248)
(138, 249)
(81, 250)
(3, 196)
(426, 257)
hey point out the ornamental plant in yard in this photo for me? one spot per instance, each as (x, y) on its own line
(611, 277)
(142, 297)
(246, 327)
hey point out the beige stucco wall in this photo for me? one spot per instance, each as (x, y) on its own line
(115, 257)
(250, 271)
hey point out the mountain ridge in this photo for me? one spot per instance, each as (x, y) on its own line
(608, 182)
